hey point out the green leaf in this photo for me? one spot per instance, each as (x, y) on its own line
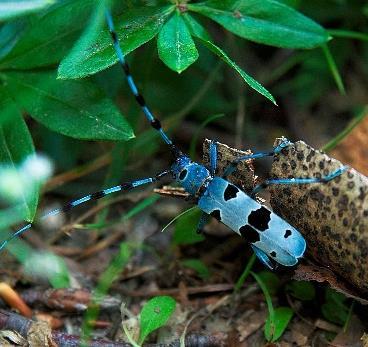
(195, 28)
(112, 272)
(186, 228)
(89, 36)
(155, 313)
(198, 31)
(291, 3)
(247, 79)
(301, 290)
(134, 28)
(335, 308)
(17, 8)
(73, 108)
(175, 45)
(271, 281)
(274, 330)
(198, 266)
(15, 146)
(49, 36)
(269, 22)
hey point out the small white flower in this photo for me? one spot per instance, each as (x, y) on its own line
(37, 168)
(18, 185)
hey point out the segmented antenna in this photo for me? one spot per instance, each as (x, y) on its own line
(94, 196)
(155, 123)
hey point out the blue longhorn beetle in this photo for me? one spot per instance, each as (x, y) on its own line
(271, 237)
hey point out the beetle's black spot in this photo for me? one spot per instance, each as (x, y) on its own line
(249, 233)
(216, 214)
(230, 192)
(183, 174)
(287, 233)
(260, 218)
(273, 254)
(98, 195)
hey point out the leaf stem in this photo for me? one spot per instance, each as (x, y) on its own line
(245, 273)
(266, 293)
(348, 34)
(333, 68)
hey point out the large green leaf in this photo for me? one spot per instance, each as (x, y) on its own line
(268, 21)
(15, 146)
(74, 108)
(16, 8)
(198, 31)
(49, 36)
(175, 45)
(87, 39)
(134, 28)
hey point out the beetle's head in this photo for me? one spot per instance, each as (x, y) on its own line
(190, 175)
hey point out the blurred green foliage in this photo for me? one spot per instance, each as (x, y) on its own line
(335, 308)
(301, 290)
